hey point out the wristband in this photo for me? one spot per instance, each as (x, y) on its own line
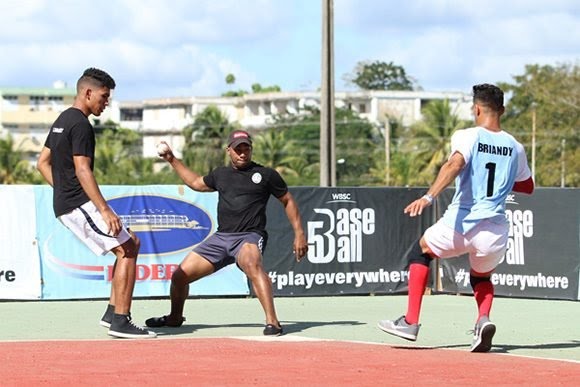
(428, 197)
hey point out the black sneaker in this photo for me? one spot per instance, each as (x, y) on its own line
(123, 327)
(158, 322)
(108, 316)
(273, 330)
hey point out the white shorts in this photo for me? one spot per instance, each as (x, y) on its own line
(88, 225)
(486, 243)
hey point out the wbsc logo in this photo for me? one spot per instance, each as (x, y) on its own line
(164, 226)
(338, 233)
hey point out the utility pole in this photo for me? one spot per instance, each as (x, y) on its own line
(327, 124)
(534, 141)
(563, 165)
(388, 153)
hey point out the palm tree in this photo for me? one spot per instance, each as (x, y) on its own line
(118, 159)
(271, 149)
(430, 139)
(13, 168)
(205, 140)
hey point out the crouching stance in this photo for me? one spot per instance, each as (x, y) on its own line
(244, 188)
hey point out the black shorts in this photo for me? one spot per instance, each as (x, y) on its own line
(222, 248)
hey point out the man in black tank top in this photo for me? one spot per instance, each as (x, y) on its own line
(244, 188)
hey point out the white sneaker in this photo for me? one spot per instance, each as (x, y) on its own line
(482, 335)
(400, 328)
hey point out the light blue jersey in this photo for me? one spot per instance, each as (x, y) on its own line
(494, 161)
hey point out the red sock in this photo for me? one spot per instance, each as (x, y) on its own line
(483, 294)
(418, 275)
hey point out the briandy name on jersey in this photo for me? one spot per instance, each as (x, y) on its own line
(495, 150)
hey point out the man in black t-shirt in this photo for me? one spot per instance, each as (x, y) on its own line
(66, 163)
(244, 188)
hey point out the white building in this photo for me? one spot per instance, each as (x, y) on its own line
(164, 119)
(28, 113)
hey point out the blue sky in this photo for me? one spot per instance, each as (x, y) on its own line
(162, 48)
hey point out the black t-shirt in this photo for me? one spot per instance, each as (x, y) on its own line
(243, 195)
(71, 134)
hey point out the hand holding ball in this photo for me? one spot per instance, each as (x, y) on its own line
(163, 149)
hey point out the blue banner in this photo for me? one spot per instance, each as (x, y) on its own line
(169, 221)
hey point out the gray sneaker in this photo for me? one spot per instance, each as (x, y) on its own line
(400, 328)
(482, 335)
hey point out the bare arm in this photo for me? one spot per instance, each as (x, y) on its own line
(448, 172)
(44, 166)
(291, 207)
(190, 178)
(91, 188)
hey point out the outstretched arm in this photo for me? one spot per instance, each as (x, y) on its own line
(448, 172)
(190, 178)
(291, 208)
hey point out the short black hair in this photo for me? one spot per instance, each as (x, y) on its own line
(97, 77)
(488, 95)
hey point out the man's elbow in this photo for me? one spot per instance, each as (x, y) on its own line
(41, 167)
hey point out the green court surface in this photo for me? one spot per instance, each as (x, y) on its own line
(537, 328)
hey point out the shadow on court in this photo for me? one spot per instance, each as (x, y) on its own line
(290, 327)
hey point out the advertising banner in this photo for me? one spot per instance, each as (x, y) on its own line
(542, 259)
(358, 239)
(19, 259)
(169, 221)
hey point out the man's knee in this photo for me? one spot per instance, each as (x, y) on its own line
(476, 278)
(251, 266)
(192, 268)
(417, 255)
(179, 277)
(136, 241)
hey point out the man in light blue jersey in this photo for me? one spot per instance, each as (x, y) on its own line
(487, 164)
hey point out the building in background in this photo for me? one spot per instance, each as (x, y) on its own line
(27, 113)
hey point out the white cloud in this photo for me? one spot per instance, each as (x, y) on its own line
(161, 48)
(451, 44)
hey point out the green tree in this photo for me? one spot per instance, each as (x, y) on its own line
(429, 140)
(14, 169)
(271, 149)
(552, 94)
(230, 79)
(118, 158)
(379, 75)
(258, 88)
(205, 140)
(400, 162)
(357, 140)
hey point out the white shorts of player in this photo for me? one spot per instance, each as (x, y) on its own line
(88, 225)
(485, 243)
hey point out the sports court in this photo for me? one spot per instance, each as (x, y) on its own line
(327, 341)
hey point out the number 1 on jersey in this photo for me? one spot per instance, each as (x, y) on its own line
(490, 178)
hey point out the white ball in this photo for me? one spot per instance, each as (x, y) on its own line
(162, 149)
